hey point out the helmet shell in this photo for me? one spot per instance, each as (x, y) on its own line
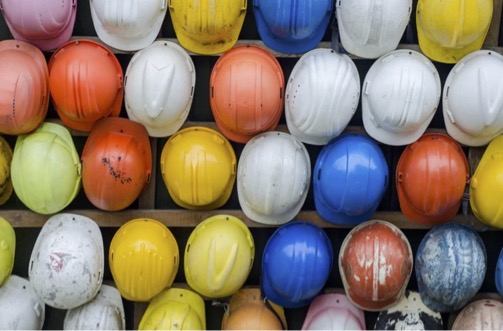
(484, 314)
(7, 250)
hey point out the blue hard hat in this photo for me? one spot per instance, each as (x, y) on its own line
(498, 277)
(296, 264)
(350, 178)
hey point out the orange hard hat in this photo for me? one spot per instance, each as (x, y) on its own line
(116, 163)
(246, 92)
(24, 87)
(85, 79)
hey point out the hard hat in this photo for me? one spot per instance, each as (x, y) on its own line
(292, 26)
(116, 163)
(207, 26)
(498, 274)
(5, 172)
(486, 185)
(449, 30)
(483, 314)
(143, 259)
(104, 312)
(45, 169)
(128, 25)
(400, 95)
(322, 94)
(67, 262)
(296, 264)
(198, 166)
(159, 87)
(450, 266)
(246, 92)
(380, 282)
(247, 310)
(410, 313)
(24, 88)
(350, 178)
(372, 28)
(431, 176)
(20, 306)
(219, 256)
(85, 80)
(45, 24)
(471, 102)
(333, 312)
(274, 173)
(174, 309)
(7, 250)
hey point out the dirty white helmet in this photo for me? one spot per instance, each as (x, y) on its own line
(322, 95)
(67, 261)
(159, 87)
(274, 173)
(473, 98)
(128, 24)
(20, 307)
(400, 95)
(372, 28)
(483, 314)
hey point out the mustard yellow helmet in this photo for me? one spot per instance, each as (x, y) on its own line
(5, 162)
(450, 29)
(198, 166)
(7, 249)
(143, 259)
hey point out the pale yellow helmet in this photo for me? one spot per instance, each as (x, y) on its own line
(5, 162)
(7, 249)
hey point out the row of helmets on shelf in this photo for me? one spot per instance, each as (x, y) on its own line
(66, 271)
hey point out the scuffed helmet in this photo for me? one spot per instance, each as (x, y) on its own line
(7, 250)
(484, 314)
(333, 312)
(5, 172)
(498, 274)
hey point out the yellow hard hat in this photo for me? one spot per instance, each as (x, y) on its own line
(5, 180)
(450, 29)
(174, 309)
(219, 256)
(143, 259)
(198, 166)
(7, 249)
(207, 26)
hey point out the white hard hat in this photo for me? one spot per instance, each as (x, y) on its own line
(20, 307)
(273, 177)
(104, 312)
(482, 314)
(371, 28)
(159, 87)
(473, 98)
(128, 25)
(322, 95)
(67, 261)
(400, 96)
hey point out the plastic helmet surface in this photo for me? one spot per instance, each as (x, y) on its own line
(85, 80)
(45, 169)
(128, 25)
(449, 30)
(400, 96)
(67, 262)
(292, 26)
(7, 250)
(6, 187)
(143, 259)
(431, 177)
(484, 314)
(322, 95)
(198, 166)
(159, 87)
(116, 163)
(450, 267)
(350, 179)
(498, 274)
(104, 312)
(24, 88)
(45, 24)
(219, 256)
(246, 92)
(274, 174)
(380, 281)
(296, 264)
(410, 313)
(371, 28)
(472, 104)
(207, 26)
(486, 185)
(20, 306)
(333, 312)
